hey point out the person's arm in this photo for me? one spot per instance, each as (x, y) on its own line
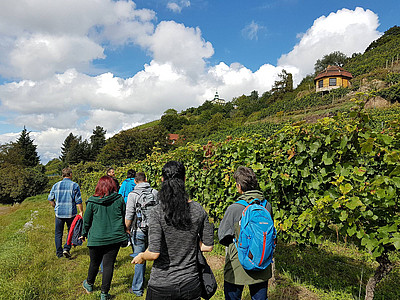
(226, 230)
(80, 208)
(205, 248)
(52, 197)
(87, 221)
(206, 234)
(130, 212)
(122, 188)
(78, 199)
(143, 256)
(128, 224)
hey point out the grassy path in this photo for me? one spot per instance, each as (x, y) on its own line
(29, 268)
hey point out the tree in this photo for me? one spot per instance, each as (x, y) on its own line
(285, 84)
(69, 141)
(97, 141)
(28, 149)
(335, 58)
(173, 122)
(11, 153)
(170, 111)
(18, 183)
(74, 150)
(132, 145)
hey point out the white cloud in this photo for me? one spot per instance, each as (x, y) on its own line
(182, 47)
(177, 6)
(346, 30)
(39, 56)
(251, 30)
(42, 37)
(51, 44)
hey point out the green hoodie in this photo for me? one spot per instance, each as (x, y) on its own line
(104, 220)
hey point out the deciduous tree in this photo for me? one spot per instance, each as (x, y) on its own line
(335, 58)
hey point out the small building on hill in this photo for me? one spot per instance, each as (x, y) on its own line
(217, 99)
(332, 77)
(173, 137)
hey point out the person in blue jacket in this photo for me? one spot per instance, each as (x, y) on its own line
(128, 184)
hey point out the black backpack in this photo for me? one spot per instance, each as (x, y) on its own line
(144, 204)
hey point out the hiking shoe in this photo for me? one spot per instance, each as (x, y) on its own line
(88, 287)
(66, 254)
(104, 296)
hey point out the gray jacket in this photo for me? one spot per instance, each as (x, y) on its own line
(132, 199)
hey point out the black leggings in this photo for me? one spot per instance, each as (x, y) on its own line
(108, 255)
(186, 291)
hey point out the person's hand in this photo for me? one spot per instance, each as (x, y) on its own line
(138, 259)
(81, 214)
(82, 238)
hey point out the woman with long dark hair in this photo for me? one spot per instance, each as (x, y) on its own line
(104, 227)
(178, 226)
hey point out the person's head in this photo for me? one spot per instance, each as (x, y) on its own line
(173, 196)
(131, 173)
(246, 179)
(140, 177)
(173, 169)
(67, 172)
(111, 172)
(105, 186)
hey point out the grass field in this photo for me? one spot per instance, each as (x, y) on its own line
(29, 268)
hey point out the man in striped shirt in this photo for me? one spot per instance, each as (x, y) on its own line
(65, 197)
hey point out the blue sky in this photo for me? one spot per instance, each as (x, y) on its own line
(68, 66)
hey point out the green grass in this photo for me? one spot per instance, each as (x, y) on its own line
(29, 268)
(148, 125)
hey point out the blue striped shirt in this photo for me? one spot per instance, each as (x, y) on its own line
(67, 195)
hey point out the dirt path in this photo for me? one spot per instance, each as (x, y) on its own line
(6, 209)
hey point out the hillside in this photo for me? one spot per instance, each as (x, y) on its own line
(377, 70)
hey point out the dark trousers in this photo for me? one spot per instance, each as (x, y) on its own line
(258, 291)
(59, 230)
(186, 291)
(108, 255)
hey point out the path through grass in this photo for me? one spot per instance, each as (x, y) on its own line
(29, 268)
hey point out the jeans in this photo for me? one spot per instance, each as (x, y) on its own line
(139, 244)
(258, 291)
(59, 234)
(107, 254)
(186, 291)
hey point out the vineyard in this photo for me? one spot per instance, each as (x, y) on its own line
(338, 176)
(289, 104)
(264, 129)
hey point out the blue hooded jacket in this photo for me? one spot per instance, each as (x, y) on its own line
(127, 186)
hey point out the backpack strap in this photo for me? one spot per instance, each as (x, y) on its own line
(242, 202)
(262, 203)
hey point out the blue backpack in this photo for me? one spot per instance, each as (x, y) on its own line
(256, 241)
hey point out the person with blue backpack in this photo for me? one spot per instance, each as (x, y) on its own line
(247, 230)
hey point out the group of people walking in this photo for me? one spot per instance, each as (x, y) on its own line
(163, 226)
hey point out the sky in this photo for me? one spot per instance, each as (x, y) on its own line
(69, 66)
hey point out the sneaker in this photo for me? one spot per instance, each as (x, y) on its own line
(104, 296)
(88, 287)
(66, 254)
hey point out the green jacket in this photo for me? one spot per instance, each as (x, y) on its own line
(104, 220)
(228, 229)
